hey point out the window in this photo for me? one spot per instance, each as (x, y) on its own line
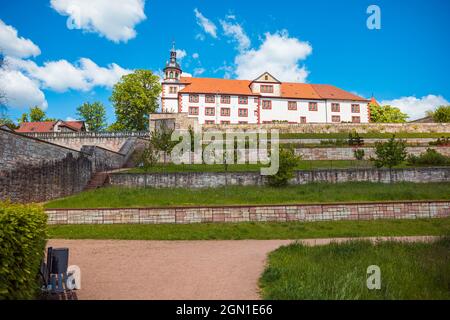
(210, 98)
(225, 112)
(335, 118)
(224, 122)
(313, 106)
(256, 100)
(243, 122)
(356, 119)
(292, 105)
(210, 112)
(193, 98)
(267, 104)
(209, 121)
(302, 119)
(243, 100)
(171, 74)
(266, 89)
(243, 112)
(193, 111)
(266, 77)
(172, 89)
(355, 108)
(335, 107)
(225, 99)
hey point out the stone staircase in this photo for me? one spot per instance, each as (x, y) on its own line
(98, 180)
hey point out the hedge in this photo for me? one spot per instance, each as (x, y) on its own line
(23, 237)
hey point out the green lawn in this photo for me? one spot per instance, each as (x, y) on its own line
(116, 197)
(374, 135)
(338, 271)
(304, 165)
(254, 230)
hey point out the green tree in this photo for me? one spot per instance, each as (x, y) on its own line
(441, 114)
(134, 97)
(386, 114)
(37, 114)
(23, 118)
(390, 154)
(116, 127)
(288, 162)
(161, 140)
(93, 114)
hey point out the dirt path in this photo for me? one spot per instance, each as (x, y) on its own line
(186, 270)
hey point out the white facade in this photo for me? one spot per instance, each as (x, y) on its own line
(263, 100)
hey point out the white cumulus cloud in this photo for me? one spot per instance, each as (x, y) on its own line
(62, 75)
(279, 54)
(181, 54)
(196, 55)
(416, 107)
(115, 20)
(21, 91)
(13, 45)
(235, 31)
(207, 25)
(199, 71)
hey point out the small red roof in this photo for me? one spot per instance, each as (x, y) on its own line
(47, 126)
(374, 102)
(44, 126)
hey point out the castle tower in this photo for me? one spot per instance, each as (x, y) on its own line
(171, 84)
(172, 71)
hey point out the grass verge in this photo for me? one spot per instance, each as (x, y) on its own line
(339, 271)
(257, 231)
(116, 197)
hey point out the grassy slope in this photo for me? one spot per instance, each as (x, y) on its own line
(304, 165)
(239, 231)
(116, 197)
(338, 271)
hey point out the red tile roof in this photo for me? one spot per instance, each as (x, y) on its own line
(44, 126)
(374, 102)
(216, 86)
(47, 126)
(288, 89)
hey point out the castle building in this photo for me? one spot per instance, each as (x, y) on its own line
(259, 101)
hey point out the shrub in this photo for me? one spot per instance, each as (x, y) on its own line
(22, 243)
(390, 154)
(288, 162)
(359, 154)
(441, 114)
(354, 139)
(333, 142)
(430, 157)
(441, 142)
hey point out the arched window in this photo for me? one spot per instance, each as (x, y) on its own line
(267, 77)
(171, 74)
(176, 75)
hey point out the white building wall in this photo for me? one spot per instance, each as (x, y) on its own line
(280, 112)
(345, 112)
(234, 107)
(169, 101)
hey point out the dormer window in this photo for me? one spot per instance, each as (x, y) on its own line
(266, 88)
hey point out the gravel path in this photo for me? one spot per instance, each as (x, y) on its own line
(185, 270)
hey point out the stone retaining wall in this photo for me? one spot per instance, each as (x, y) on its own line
(348, 153)
(283, 213)
(338, 127)
(219, 179)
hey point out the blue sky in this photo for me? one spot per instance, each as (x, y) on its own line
(405, 63)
